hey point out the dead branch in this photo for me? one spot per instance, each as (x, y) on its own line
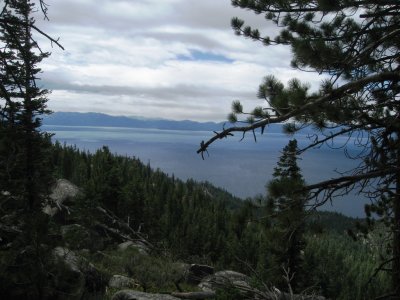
(194, 295)
(113, 219)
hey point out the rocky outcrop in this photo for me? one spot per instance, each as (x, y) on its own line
(73, 278)
(139, 246)
(81, 277)
(106, 229)
(241, 282)
(225, 279)
(136, 295)
(122, 282)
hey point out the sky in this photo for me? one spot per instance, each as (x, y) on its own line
(169, 59)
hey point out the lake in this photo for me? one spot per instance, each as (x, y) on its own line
(240, 167)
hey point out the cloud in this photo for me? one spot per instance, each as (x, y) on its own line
(171, 59)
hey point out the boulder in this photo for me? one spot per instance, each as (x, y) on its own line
(196, 273)
(136, 295)
(139, 246)
(241, 282)
(120, 281)
(225, 279)
(80, 277)
(62, 192)
(72, 278)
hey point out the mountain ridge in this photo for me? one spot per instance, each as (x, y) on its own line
(100, 119)
(104, 120)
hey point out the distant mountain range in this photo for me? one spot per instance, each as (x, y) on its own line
(104, 120)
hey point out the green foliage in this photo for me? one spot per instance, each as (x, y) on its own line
(237, 107)
(25, 269)
(232, 118)
(151, 273)
(324, 221)
(228, 294)
(341, 268)
(189, 218)
(355, 45)
(286, 207)
(23, 146)
(25, 176)
(199, 223)
(154, 273)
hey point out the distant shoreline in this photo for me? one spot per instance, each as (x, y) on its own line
(104, 120)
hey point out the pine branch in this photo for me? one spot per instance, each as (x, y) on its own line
(351, 179)
(52, 40)
(334, 95)
(312, 6)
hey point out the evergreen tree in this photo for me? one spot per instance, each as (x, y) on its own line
(355, 43)
(286, 208)
(25, 176)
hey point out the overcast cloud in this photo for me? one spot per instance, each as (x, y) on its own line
(171, 59)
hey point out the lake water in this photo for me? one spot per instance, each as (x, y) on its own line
(242, 168)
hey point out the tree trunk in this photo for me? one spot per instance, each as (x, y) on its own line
(27, 122)
(396, 233)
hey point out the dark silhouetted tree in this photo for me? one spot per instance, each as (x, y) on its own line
(25, 176)
(286, 209)
(356, 45)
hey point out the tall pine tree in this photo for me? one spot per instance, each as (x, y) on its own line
(286, 209)
(25, 176)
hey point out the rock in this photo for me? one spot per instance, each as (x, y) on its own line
(196, 273)
(136, 295)
(125, 245)
(62, 191)
(5, 193)
(73, 279)
(81, 277)
(142, 248)
(69, 257)
(232, 279)
(225, 279)
(119, 281)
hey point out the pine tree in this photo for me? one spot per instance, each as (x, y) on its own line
(356, 44)
(25, 177)
(286, 207)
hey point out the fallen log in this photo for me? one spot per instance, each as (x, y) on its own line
(121, 225)
(194, 295)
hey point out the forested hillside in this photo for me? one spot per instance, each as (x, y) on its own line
(192, 218)
(198, 223)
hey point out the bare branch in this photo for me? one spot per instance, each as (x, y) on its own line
(351, 179)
